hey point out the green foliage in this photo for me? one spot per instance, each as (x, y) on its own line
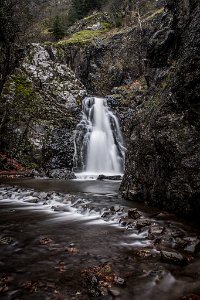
(13, 17)
(82, 37)
(118, 20)
(80, 8)
(57, 29)
(106, 25)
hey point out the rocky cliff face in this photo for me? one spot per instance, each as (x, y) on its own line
(163, 164)
(149, 72)
(41, 101)
(42, 104)
(113, 58)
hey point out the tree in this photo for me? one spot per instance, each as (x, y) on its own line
(57, 29)
(80, 8)
(13, 22)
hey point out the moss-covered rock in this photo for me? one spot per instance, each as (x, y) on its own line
(41, 97)
(82, 37)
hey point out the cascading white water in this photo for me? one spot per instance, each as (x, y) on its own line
(98, 141)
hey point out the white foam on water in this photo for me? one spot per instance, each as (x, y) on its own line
(85, 176)
(99, 146)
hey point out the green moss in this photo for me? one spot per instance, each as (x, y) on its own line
(78, 101)
(22, 86)
(48, 43)
(91, 17)
(82, 37)
(27, 101)
(106, 25)
(118, 20)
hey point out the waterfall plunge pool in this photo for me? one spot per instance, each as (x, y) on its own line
(79, 240)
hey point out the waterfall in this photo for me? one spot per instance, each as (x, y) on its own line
(98, 140)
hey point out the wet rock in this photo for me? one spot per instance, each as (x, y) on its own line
(180, 243)
(106, 214)
(32, 200)
(78, 202)
(36, 194)
(45, 241)
(118, 280)
(142, 223)
(36, 173)
(3, 288)
(6, 279)
(116, 208)
(173, 258)
(94, 292)
(165, 242)
(193, 247)
(72, 250)
(115, 292)
(42, 196)
(103, 177)
(32, 285)
(125, 221)
(134, 213)
(104, 290)
(59, 208)
(61, 174)
(175, 231)
(144, 253)
(6, 240)
(156, 229)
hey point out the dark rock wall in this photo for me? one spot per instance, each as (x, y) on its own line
(113, 59)
(58, 151)
(105, 63)
(163, 163)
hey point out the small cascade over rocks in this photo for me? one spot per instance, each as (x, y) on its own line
(99, 146)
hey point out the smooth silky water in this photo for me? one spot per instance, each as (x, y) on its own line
(99, 145)
(52, 268)
(30, 270)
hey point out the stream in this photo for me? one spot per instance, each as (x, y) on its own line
(80, 240)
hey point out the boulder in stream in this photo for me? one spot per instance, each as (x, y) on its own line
(114, 177)
(171, 257)
(61, 174)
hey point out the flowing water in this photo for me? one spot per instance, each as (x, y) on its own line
(63, 240)
(99, 146)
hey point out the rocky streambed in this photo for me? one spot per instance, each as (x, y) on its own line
(80, 240)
